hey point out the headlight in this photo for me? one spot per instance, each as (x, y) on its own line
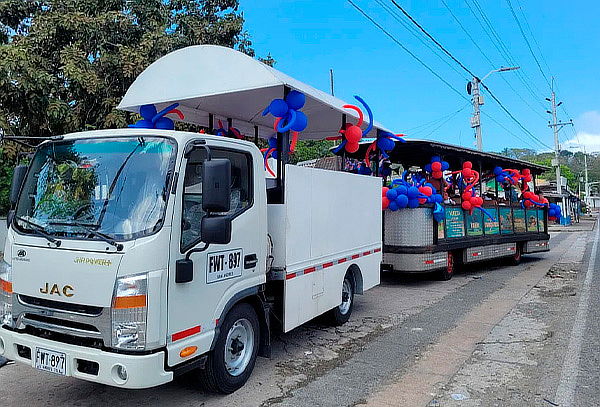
(6, 294)
(129, 312)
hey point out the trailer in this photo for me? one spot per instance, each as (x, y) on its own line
(415, 242)
(136, 255)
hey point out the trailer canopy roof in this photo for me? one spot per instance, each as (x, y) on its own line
(209, 79)
(419, 153)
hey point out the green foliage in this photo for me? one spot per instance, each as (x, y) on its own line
(6, 172)
(311, 149)
(65, 64)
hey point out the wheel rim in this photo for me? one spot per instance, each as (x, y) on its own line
(346, 297)
(517, 254)
(450, 264)
(239, 347)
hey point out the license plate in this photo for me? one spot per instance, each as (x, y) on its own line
(51, 361)
(224, 265)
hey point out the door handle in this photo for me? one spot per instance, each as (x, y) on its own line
(250, 261)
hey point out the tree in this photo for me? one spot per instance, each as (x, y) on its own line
(65, 64)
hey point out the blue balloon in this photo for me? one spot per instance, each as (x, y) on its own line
(438, 198)
(300, 123)
(277, 108)
(413, 203)
(385, 144)
(436, 158)
(273, 142)
(498, 171)
(413, 192)
(427, 168)
(164, 123)
(445, 165)
(391, 194)
(430, 185)
(143, 124)
(402, 190)
(148, 111)
(364, 170)
(500, 178)
(295, 100)
(402, 201)
(393, 206)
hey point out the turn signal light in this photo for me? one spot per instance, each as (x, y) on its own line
(189, 351)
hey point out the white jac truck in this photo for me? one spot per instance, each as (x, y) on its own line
(135, 255)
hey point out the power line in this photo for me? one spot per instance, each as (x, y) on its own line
(376, 24)
(512, 10)
(468, 71)
(425, 126)
(532, 35)
(509, 131)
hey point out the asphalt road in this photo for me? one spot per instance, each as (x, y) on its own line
(493, 335)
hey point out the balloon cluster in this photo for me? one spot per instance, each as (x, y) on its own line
(385, 143)
(403, 194)
(352, 133)
(230, 132)
(470, 200)
(530, 199)
(437, 167)
(151, 119)
(554, 212)
(511, 176)
(287, 111)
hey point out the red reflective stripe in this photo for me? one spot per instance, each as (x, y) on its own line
(377, 250)
(327, 265)
(290, 276)
(366, 253)
(184, 334)
(310, 270)
(355, 256)
(428, 261)
(340, 261)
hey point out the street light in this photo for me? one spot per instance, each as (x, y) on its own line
(473, 89)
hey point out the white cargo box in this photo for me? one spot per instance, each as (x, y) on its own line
(330, 221)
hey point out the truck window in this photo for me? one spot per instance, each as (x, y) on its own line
(241, 191)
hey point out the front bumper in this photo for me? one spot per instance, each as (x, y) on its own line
(143, 370)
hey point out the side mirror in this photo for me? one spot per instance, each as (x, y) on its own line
(216, 185)
(216, 229)
(184, 271)
(17, 182)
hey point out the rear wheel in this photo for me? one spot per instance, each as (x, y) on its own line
(232, 360)
(447, 273)
(516, 258)
(341, 314)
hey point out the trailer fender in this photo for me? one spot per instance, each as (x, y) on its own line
(253, 297)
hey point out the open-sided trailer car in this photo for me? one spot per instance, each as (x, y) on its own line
(183, 251)
(415, 242)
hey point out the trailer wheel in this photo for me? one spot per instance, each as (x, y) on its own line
(341, 314)
(447, 273)
(515, 259)
(232, 360)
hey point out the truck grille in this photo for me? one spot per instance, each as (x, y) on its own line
(62, 306)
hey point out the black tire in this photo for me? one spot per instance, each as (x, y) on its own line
(446, 273)
(215, 377)
(516, 258)
(341, 314)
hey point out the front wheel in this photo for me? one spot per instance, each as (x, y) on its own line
(232, 360)
(447, 273)
(341, 314)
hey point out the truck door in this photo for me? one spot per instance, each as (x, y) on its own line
(221, 271)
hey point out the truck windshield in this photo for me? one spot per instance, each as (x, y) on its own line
(98, 188)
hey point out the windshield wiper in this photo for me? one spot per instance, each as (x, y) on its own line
(91, 231)
(40, 230)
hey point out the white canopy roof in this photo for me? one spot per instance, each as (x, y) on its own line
(207, 79)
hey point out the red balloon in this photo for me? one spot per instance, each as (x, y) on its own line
(526, 171)
(351, 147)
(474, 201)
(527, 204)
(353, 134)
(479, 201)
(436, 166)
(467, 164)
(422, 200)
(437, 174)
(545, 201)
(466, 205)
(384, 191)
(385, 202)
(426, 191)
(466, 196)
(527, 194)
(467, 172)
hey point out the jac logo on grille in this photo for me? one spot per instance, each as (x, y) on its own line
(56, 290)
(21, 253)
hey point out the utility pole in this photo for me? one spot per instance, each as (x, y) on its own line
(477, 99)
(557, 126)
(587, 184)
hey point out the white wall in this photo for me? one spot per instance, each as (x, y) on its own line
(3, 232)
